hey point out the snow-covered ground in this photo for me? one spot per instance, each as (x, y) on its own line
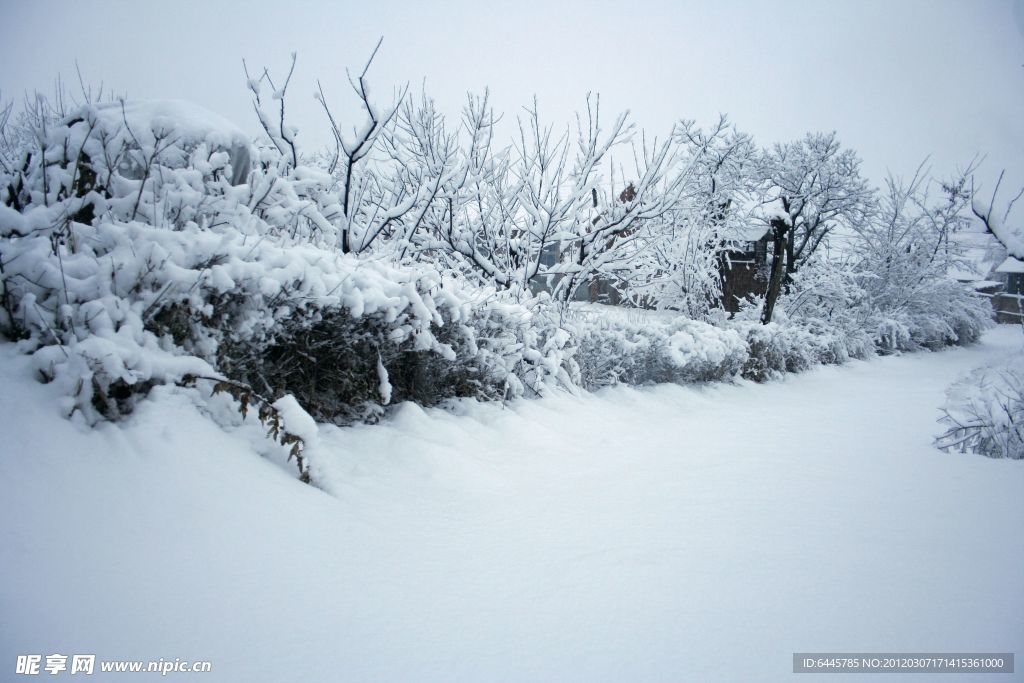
(668, 533)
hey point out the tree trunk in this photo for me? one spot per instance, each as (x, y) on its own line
(779, 248)
(790, 261)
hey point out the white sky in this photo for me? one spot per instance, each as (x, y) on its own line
(898, 79)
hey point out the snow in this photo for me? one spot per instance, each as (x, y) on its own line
(1011, 265)
(986, 284)
(296, 420)
(185, 122)
(775, 210)
(741, 234)
(1011, 237)
(186, 119)
(383, 382)
(666, 533)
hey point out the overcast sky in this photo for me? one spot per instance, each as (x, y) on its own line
(898, 79)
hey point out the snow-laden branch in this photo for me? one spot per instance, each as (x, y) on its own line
(999, 219)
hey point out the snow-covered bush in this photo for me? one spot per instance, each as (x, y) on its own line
(904, 256)
(644, 348)
(521, 344)
(151, 243)
(949, 314)
(863, 300)
(133, 253)
(984, 413)
(343, 367)
(676, 266)
(794, 346)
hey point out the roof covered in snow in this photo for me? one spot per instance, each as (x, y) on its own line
(979, 252)
(985, 284)
(1011, 265)
(744, 233)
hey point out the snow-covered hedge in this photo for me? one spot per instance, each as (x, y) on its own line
(133, 254)
(793, 346)
(643, 347)
(984, 412)
(646, 347)
(865, 305)
(951, 314)
(153, 244)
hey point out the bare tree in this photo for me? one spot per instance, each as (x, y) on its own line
(276, 128)
(371, 203)
(374, 188)
(510, 210)
(906, 247)
(677, 266)
(607, 230)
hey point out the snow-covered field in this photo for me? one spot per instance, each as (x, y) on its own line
(669, 533)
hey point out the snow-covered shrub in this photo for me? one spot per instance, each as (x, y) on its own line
(792, 346)
(888, 280)
(344, 367)
(676, 266)
(822, 320)
(948, 314)
(521, 344)
(646, 348)
(132, 255)
(885, 304)
(984, 413)
(903, 257)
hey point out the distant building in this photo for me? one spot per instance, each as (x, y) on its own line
(1009, 303)
(743, 264)
(985, 267)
